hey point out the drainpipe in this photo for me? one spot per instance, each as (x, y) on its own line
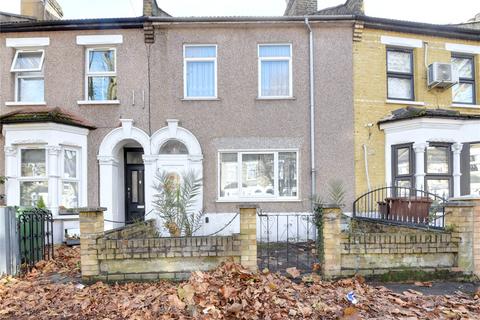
(312, 113)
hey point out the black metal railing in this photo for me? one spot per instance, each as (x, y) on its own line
(402, 206)
(286, 241)
(35, 230)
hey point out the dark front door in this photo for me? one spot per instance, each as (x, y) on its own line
(134, 187)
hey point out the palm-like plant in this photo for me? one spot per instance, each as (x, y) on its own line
(175, 202)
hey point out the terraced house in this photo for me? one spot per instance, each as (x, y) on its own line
(92, 109)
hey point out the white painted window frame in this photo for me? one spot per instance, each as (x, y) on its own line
(78, 173)
(27, 73)
(290, 70)
(88, 73)
(209, 59)
(22, 178)
(239, 153)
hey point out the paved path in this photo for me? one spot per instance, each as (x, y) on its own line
(438, 288)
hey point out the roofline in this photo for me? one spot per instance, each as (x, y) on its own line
(67, 123)
(76, 24)
(16, 15)
(447, 31)
(457, 117)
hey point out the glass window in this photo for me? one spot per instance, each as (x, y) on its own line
(438, 167)
(263, 175)
(474, 162)
(134, 157)
(173, 147)
(464, 90)
(33, 162)
(200, 74)
(438, 159)
(25, 61)
(101, 74)
(32, 191)
(70, 164)
(29, 79)
(440, 187)
(403, 161)
(403, 166)
(71, 179)
(69, 194)
(275, 65)
(400, 74)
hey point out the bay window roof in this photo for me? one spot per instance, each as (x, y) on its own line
(415, 112)
(45, 114)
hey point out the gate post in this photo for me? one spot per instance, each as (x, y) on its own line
(248, 236)
(332, 258)
(91, 228)
(463, 214)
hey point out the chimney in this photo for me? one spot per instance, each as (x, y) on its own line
(301, 7)
(41, 9)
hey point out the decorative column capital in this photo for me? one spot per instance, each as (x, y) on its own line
(107, 160)
(457, 147)
(10, 151)
(149, 159)
(419, 147)
(54, 150)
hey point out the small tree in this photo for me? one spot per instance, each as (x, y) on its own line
(41, 203)
(175, 200)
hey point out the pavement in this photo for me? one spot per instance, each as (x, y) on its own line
(437, 288)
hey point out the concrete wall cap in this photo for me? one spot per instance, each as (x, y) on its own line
(331, 206)
(91, 209)
(461, 203)
(248, 206)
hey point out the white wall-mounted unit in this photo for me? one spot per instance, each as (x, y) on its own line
(441, 75)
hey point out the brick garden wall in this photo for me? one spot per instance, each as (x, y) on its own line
(136, 252)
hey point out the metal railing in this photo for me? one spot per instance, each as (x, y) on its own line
(402, 205)
(35, 230)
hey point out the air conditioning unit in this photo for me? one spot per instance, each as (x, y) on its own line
(441, 75)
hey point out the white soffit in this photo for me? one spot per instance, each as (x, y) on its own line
(401, 42)
(99, 39)
(27, 42)
(462, 48)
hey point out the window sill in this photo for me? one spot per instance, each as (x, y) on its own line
(274, 98)
(201, 99)
(93, 102)
(468, 106)
(407, 102)
(251, 200)
(23, 104)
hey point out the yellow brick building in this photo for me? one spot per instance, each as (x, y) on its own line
(376, 153)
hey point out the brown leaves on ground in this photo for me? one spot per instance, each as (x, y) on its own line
(229, 292)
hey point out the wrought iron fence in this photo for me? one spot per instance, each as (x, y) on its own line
(286, 241)
(402, 205)
(35, 229)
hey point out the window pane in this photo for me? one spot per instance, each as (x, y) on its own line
(275, 78)
(69, 194)
(399, 88)
(464, 67)
(403, 161)
(257, 175)
(228, 175)
(101, 61)
(475, 169)
(70, 164)
(102, 88)
(33, 163)
(287, 174)
(275, 51)
(173, 147)
(30, 90)
(134, 157)
(398, 61)
(201, 79)
(28, 61)
(463, 93)
(135, 186)
(407, 184)
(200, 52)
(31, 191)
(440, 187)
(437, 160)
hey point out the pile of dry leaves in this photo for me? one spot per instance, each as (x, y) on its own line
(229, 292)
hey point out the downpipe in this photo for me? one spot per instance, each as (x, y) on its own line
(312, 114)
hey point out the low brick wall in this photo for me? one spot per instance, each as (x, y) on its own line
(136, 252)
(372, 248)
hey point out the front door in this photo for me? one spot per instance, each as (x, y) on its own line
(134, 186)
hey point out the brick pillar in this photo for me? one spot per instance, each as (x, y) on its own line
(332, 257)
(248, 236)
(91, 227)
(463, 214)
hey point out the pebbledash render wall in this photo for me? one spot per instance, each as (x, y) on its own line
(373, 249)
(370, 97)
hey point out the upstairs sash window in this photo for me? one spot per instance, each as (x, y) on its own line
(400, 74)
(200, 71)
(101, 78)
(275, 70)
(29, 78)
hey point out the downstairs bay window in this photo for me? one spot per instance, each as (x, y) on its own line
(70, 179)
(33, 178)
(268, 175)
(438, 167)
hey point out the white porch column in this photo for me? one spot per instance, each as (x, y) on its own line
(457, 149)
(12, 187)
(150, 163)
(419, 149)
(109, 196)
(53, 200)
